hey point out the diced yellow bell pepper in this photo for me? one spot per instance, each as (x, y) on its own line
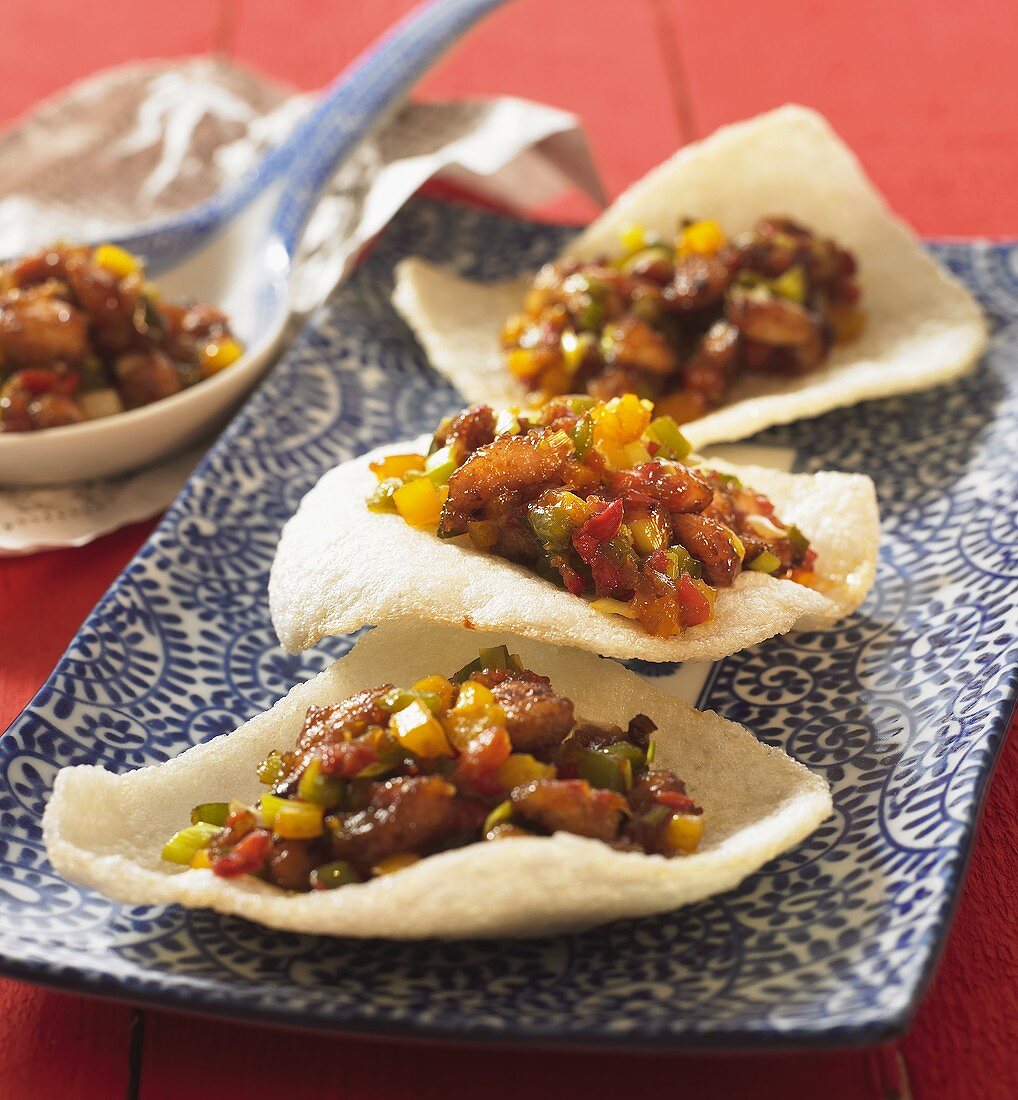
(622, 419)
(419, 502)
(609, 606)
(298, 820)
(483, 533)
(473, 696)
(200, 861)
(396, 466)
(437, 685)
(391, 864)
(116, 260)
(736, 543)
(649, 534)
(523, 768)
(636, 454)
(633, 238)
(420, 732)
(701, 239)
(524, 363)
(218, 354)
(683, 832)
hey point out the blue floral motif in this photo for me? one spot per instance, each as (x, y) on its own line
(902, 709)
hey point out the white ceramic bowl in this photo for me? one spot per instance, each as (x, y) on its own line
(233, 273)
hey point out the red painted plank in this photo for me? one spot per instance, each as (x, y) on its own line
(963, 1041)
(923, 91)
(182, 1058)
(57, 1045)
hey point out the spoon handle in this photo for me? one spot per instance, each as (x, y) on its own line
(359, 100)
(374, 83)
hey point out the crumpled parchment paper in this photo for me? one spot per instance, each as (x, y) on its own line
(143, 142)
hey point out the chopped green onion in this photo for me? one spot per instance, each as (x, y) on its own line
(323, 790)
(665, 430)
(331, 875)
(656, 815)
(380, 499)
(212, 813)
(580, 403)
(791, 284)
(270, 769)
(583, 436)
(626, 750)
(644, 256)
(682, 561)
(765, 562)
(591, 316)
(182, 846)
(270, 805)
(440, 466)
(498, 816)
(800, 544)
(736, 543)
(496, 657)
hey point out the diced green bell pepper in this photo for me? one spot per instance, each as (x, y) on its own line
(182, 846)
(665, 431)
(331, 875)
(212, 813)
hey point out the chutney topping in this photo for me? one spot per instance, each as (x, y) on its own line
(601, 498)
(682, 321)
(392, 775)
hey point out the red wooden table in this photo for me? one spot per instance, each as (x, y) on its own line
(924, 90)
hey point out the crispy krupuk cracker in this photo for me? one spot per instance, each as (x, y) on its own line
(107, 831)
(922, 327)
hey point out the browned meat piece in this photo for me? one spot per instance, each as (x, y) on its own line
(504, 474)
(472, 429)
(55, 410)
(405, 815)
(15, 411)
(640, 729)
(343, 721)
(699, 282)
(772, 320)
(570, 805)
(707, 540)
(633, 343)
(676, 488)
(292, 862)
(535, 717)
(144, 377)
(109, 303)
(37, 328)
(658, 786)
(655, 797)
(203, 320)
(712, 366)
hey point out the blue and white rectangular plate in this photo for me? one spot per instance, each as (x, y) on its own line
(903, 709)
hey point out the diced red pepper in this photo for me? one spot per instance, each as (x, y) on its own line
(246, 857)
(572, 580)
(695, 605)
(605, 525)
(478, 764)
